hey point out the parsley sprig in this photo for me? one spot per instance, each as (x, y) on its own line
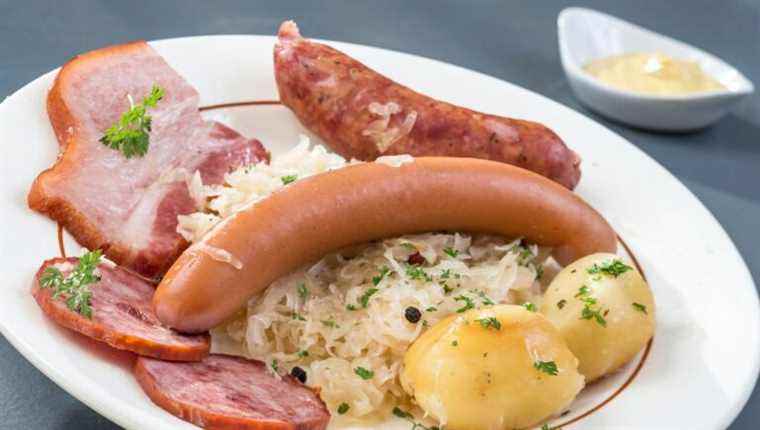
(364, 373)
(74, 288)
(613, 268)
(130, 134)
(303, 292)
(409, 417)
(468, 303)
(548, 367)
(383, 272)
(490, 322)
(364, 299)
(418, 273)
(590, 308)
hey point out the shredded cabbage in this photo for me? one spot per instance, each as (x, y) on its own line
(348, 311)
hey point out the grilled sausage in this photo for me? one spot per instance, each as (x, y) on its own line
(312, 217)
(362, 114)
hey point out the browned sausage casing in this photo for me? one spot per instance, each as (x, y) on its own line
(362, 114)
(356, 204)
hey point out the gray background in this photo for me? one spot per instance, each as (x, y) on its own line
(512, 40)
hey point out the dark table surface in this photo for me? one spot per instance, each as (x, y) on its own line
(512, 40)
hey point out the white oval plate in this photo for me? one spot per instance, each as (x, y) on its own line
(704, 358)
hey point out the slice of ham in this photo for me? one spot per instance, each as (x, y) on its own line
(224, 392)
(129, 207)
(122, 315)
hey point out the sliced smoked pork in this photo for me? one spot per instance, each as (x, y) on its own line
(128, 207)
(224, 392)
(120, 313)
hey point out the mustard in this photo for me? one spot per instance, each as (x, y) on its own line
(652, 73)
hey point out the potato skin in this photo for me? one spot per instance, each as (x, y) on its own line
(471, 377)
(601, 349)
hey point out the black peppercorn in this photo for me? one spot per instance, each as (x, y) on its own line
(412, 314)
(299, 374)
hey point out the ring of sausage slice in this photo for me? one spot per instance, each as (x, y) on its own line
(224, 392)
(304, 221)
(122, 315)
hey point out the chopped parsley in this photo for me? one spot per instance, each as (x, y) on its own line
(539, 271)
(74, 288)
(468, 303)
(364, 299)
(409, 417)
(383, 272)
(548, 367)
(275, 365)
(524, 254)
(582, 291)
(351, 307)
(343, 408)
(297, 316)
(590, 309)
(451, 252)
(639, 307)
(446, 289)
(490, 322)
(613, 268)
(418, 273)
(408, 245)
(530, 306)
(130, 134)
(303, 292)
(288, 179)
(485, 299)
(588, 313)
(302, 353)
(330, 323)
(561, 304)
(364, 373)
(431, 309)
(448, 274)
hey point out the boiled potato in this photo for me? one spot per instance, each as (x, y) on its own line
(604, 310)
(501, 367)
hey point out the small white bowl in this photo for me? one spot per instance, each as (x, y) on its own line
(586, 35)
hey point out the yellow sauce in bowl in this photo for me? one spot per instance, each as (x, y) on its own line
(652, 73)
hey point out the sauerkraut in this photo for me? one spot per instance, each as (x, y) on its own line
(249, 184)
(348, 319)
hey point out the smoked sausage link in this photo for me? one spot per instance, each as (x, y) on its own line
(362, 114)
(359, 203)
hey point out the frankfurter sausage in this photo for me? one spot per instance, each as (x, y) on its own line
(362, 114)
(312, 217)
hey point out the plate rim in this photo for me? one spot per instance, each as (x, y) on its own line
(121, 416)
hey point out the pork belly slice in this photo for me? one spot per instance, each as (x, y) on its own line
(129, 207)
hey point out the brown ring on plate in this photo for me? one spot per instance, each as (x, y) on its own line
(625, 385)
(239, 104)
